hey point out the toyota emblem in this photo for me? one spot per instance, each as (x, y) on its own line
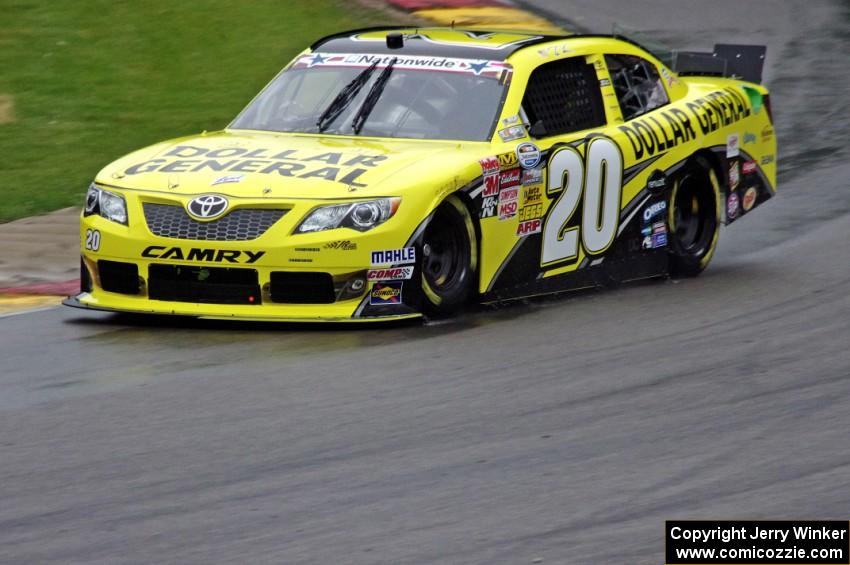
(208, 206)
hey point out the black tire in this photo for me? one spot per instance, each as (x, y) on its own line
(694, 218)
(449, 259)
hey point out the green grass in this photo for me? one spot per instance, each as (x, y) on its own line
(93, 80)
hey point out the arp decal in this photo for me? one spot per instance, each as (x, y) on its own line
(202, 254)
(601, 176)
(333, 166)
(383, 293)
(529, 227)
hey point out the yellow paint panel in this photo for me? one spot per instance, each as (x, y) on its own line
(491, 17)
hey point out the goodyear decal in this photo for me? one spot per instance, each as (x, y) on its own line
(332, 166)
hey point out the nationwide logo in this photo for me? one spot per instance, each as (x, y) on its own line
(393, 274)
(385, 293)
(207, 207)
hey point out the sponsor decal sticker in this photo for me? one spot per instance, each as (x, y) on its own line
(647, 242)
(507, 160)
(508, 194)
(491, 185)
(732, 205)
(510, 120)
(341, 245)
(489, 165)
(512, 133)
(393, 256)
(227, 179)
(749, 138)
(767, 160)
(201, 254)
(509, 178)
(749, 167)
(532, 176)
(530, 212)
(407, 62)
(528, 155)
(659, 240)
(654, 209)
(766, 134)
(646, 230)
(659, 227)
(507, 210)
(749, 199)
(734, 175)
(532, 195)
(390, 274)
(92, 242)
(529, 226)
(385, 293)
(733, 146)
(657, 182)
(488, 207)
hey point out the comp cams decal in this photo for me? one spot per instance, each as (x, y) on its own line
(390, 274)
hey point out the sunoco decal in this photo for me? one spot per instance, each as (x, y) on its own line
(385, 293)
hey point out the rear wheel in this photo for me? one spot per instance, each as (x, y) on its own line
(694, 219)
(449, 258)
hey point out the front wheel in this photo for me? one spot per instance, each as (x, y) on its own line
(694, 219)
(449, 258)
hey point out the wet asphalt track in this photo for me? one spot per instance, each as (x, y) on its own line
(565, 430)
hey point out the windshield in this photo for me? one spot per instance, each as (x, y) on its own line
(382, 96)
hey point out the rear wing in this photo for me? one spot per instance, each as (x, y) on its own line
(744, 62)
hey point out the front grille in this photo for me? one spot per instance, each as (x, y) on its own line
(118, 277)
(242, 224)
(302, 288)
(207, 285)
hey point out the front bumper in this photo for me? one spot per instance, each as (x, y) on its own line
(340, 258)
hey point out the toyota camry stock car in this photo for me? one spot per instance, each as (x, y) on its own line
(390, 173)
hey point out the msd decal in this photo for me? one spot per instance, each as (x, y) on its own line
(393, 274)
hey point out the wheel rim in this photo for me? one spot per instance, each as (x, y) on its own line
(444, 256)
(694, 215)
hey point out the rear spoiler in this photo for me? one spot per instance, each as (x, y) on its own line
(744, 62)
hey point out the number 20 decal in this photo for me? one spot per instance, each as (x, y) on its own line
(599, 177)
(92, 240)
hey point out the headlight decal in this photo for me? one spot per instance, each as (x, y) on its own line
(360, 216)
(106, 204)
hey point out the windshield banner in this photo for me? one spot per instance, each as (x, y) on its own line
(482, 67)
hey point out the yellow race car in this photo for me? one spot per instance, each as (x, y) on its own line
(391, 173)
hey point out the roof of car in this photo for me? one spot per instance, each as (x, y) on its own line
(495, 45)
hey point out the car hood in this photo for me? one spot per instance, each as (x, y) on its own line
(253, 164)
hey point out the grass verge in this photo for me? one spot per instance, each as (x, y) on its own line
(95, 79)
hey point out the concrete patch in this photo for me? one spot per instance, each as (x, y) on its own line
(7, 109)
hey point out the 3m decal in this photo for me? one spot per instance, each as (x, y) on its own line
(391, 274)
(385, 293)
(92, 240)
(602, 183)
(390, 256)
(201, 254)
(491, 185)
(528, 155)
